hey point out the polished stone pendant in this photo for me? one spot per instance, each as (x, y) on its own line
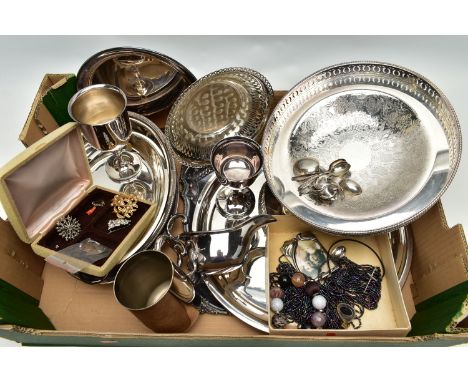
(306, 254)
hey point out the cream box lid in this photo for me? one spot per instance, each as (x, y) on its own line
(44, 181)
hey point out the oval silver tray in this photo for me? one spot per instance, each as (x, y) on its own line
(242, 292)
(158, 178)
(397, 130)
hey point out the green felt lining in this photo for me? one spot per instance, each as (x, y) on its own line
(436, 314)
(56, 101)
(18, 308)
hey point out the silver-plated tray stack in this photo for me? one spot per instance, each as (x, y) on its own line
(353, 149)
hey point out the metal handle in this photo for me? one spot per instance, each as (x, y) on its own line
(176, 244)
(182, 287)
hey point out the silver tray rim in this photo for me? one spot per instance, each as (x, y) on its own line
(271, 125)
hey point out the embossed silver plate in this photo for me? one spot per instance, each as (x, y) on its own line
(158, 179)
(398, 132)
(231, 101)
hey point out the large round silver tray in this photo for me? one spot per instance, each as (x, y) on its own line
(242, 292)
(396, 129)
(158, 176)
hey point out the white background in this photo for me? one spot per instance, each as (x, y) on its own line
(283, 60)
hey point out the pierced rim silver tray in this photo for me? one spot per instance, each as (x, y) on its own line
(395, 128)
(227, 102)
(242, 292)
(158, 180)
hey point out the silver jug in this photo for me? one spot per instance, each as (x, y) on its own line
(221, 251)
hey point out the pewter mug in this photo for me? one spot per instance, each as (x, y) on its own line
(155, 289)
(101, 111)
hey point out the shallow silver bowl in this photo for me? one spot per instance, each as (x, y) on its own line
(398, 132)
(224, 103)
(151, 80)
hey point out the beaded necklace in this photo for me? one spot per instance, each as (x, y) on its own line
(336, 300)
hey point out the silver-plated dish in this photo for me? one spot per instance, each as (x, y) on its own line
(157, 182)
(397, 130)
(401, 241)
(151, 80)
(228, 102)
(242, 292)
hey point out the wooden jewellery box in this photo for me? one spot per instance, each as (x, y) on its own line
(52, 179)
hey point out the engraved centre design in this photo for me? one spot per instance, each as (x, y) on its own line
(213, 107)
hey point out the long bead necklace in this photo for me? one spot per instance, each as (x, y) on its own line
(336, 300)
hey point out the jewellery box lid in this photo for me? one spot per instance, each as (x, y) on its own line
(44, 181)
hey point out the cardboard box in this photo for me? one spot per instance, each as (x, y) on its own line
(40, 121)
(88, 315)
(389, 319)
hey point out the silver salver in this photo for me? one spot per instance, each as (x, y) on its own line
(397, 130)
(158, 182)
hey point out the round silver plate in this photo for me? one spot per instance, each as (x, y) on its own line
(242, 292)
(158, 178)
(397, 131)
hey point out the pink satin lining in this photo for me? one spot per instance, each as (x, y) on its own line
(47, 186)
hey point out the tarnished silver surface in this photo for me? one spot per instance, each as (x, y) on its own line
(236, 161)
(228, 102)
(157, 180)
(151, 80)
(397, 131)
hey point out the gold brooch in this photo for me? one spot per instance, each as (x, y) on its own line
(124, 205)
